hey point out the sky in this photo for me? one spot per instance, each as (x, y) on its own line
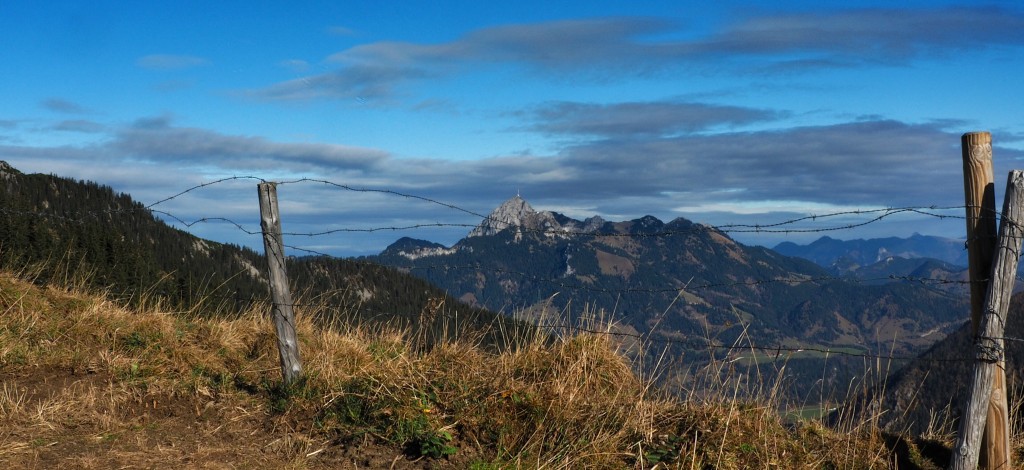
(720, 112)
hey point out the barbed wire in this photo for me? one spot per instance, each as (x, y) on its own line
(697, 227)
(707, 286)
(204, 185)
(388, 192)
(579, 287)
(777, 349)
(883, 213)
(781, 227)
(740, 228)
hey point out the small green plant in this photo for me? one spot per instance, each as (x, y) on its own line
(422, 440)
(386, 350)
(352, 409)
(666, 450)
(135, 341)
(281, 395)
(209, 376)
(108, 436)
(437, 444)
(134, 373)
(139, 341)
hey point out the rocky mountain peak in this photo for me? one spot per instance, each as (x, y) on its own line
(6, 170)
(515, 212)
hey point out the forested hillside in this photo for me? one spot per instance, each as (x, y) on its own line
(61, 230)
(79, 231)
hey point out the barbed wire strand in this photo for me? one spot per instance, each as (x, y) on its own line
(725, 228)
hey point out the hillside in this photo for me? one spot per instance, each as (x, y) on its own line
(60, 230)
(925, 394)
(686, 286)
(89, 384)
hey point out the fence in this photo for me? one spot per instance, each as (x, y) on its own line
(798, 225)
(787, 226)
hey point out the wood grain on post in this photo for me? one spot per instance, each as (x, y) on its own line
(988, 343)
(980, 201)
(284, 318)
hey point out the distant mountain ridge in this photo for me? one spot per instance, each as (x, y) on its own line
(829, 252)
(919, 256)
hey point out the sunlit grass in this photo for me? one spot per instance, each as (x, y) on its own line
(91, 384)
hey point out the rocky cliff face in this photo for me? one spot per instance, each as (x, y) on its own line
(518, 215)
(515, 213)
(7, 171)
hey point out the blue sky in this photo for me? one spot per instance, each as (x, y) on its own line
(722, 112)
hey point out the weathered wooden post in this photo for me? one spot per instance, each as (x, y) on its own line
(284, 318)
(988, 342)
(980, 201)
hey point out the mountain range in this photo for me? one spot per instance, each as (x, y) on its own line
(917, 256)
(828, 252)
(683, 285)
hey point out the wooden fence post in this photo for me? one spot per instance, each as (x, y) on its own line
(988, 343)
(980, 201)
(284, 318)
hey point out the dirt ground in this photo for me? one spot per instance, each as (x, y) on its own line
(109, 427)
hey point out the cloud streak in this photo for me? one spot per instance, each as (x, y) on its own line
(638, 119)
(79, 125)
(870, 34)
(60, 105)
(632, 46)
(878, 163)
(155, 140)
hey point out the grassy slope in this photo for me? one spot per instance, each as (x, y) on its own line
(85, 383)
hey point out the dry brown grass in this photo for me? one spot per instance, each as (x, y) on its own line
(88, 384)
